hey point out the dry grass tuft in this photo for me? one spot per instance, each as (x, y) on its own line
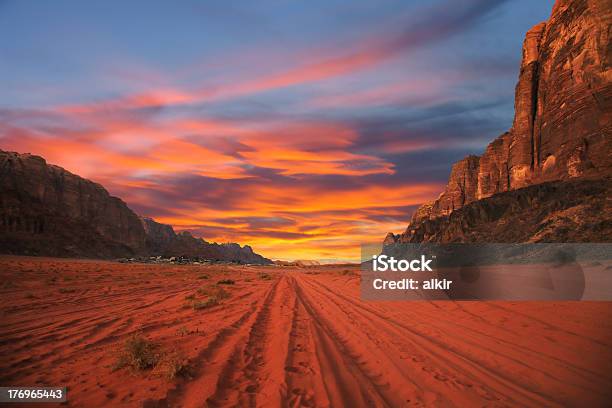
(138, 353)
(226, 282)
(172, 365)
(206, 303)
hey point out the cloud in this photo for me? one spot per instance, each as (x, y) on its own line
(430, 25)
(303, 156)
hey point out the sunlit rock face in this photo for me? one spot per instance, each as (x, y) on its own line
(573, 112)
(461, 188)
(563, 109)
(563, 103)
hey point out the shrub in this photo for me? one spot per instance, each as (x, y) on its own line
(204, 276)
(215, 291)
(226, 282)
(137, 353)
(265, 276)
(206, 303)
(172, 365)
(220, 293)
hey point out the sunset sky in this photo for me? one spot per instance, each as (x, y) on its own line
(301, 128)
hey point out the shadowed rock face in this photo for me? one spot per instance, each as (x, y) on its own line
(562, 128)
(46, 210)
(162, 240)
(558, 211)
(158, 236)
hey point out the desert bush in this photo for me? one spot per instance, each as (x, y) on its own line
(213, 296)
(220, 293)
(206, 303)
(172, 365)
(265, 276)
(203, 276)
(137, 353)
(190, 297)
(215, 291)
(226, 282)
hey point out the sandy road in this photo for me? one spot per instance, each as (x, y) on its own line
(313, 342)
(300, 338)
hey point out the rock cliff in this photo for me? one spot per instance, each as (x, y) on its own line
(557, 211)
(46, 210)
(562, 127)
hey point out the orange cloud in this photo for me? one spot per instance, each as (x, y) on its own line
(320, 220)
(327, 223)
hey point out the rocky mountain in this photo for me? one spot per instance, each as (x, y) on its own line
(46, 210)
(162, 240)
(562, 131)
(298, 262)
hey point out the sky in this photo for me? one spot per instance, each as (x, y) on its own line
(301, 128)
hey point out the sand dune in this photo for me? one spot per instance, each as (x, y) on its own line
(289, 337)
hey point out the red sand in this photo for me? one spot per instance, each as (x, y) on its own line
(302, 338)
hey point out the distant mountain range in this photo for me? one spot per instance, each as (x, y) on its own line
(48, 211)
(298, 262)
(548, 178)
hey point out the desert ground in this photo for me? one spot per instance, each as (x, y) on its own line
(228, 335)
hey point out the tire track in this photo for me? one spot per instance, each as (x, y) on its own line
(443, 361)
(209, 382)
(480, 341)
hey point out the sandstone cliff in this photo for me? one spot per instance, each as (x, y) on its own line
(562, 128)
(46, 210)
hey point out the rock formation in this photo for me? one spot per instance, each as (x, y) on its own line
(558, 211)
(46, 210)
(158, 236)
(302, 263)
(562, 127)
(162, 240)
